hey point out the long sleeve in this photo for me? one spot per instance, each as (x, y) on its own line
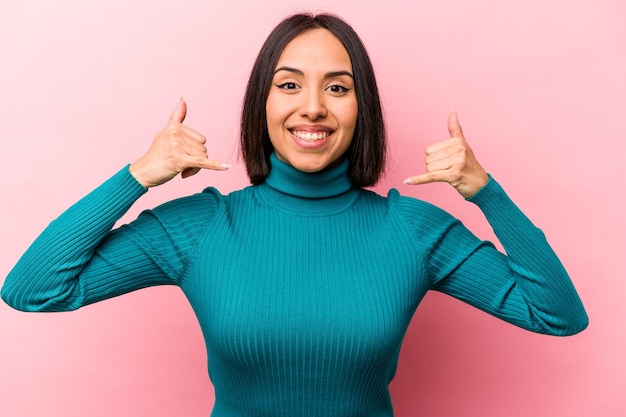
(303, 286)
(77, 260)
(528, 286)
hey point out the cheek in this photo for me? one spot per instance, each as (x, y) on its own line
(275, 111)
(350, 115)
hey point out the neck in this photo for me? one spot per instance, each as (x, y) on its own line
(319, 192)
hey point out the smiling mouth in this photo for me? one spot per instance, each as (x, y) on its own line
(310, 136)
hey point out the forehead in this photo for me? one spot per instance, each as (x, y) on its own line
(315, 47)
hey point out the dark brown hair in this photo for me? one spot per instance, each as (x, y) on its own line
(366, 153)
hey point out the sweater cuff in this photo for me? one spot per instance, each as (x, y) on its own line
(119, 192)
(491, 197)
(129, 178)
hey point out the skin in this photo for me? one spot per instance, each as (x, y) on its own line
(452, 161)
(312, 91)
(177, 149)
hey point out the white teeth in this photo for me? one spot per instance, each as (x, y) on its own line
(311, 136)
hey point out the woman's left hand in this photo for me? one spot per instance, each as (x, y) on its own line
(452, 161)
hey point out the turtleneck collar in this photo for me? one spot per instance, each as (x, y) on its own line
(320, 192)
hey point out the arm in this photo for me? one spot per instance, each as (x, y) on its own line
(77, 260)
(528, 286)
(47, 277)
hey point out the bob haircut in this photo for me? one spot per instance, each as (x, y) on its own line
(367, 151)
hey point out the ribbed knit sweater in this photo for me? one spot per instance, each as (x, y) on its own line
(303, 286)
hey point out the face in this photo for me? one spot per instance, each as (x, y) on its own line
(311, 107)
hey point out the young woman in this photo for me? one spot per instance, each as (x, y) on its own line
(304, 283)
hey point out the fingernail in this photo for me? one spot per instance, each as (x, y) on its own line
(408, 181)
(225, 166)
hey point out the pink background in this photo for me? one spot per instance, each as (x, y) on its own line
(540, 90)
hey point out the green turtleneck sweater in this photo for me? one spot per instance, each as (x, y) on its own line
(303, 286)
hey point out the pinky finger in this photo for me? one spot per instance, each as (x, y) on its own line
(189, 172)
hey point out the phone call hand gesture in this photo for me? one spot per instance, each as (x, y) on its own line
(177, 149)
(452, 161)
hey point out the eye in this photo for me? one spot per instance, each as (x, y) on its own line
(338, 89)
(287, 86)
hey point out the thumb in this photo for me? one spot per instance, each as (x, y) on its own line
(180, 112)
(454, 128)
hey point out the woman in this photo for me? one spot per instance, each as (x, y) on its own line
(304, 283)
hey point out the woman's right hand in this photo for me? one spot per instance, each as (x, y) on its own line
(175, 149)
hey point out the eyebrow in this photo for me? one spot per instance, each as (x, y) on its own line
(331, 74)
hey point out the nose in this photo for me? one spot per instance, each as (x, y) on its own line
(313, 106)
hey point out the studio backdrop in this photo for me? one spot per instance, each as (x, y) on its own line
(540, 92)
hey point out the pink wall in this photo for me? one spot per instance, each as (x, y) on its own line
(540, 90)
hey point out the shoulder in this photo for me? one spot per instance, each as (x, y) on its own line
(207, 200)
(206, 204)
(417, 212)
(184, 213)
(417, 223)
